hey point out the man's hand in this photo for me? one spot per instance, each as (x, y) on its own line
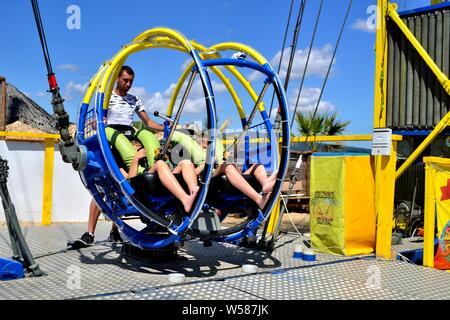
(142, 153)
(149, 122)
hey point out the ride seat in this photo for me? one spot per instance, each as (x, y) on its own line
(149, 184)
(221, 185)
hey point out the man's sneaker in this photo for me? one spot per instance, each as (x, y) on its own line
(86, 240)
(114, 236)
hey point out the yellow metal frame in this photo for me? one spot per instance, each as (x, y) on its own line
(212, 52)
(381, 49)
(103, 81)
(441, 77)
(47, 184)
(429, 213)
(385, 167)
(430, 210)
(49, 155)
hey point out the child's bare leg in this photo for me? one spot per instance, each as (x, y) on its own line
(236, 179)
(260, 173)
(170, 182)
(189, 175)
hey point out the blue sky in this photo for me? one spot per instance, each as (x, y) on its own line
(107, 25)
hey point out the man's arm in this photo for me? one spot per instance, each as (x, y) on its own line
(149, 122)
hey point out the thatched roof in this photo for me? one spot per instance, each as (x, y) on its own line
(22, 127)
(22, 113)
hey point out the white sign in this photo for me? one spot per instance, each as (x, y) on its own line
(382, 142)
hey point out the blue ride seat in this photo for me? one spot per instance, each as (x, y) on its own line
(153, 194)
(221, 186)
(146, 183)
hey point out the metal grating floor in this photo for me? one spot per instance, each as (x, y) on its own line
(212, 273)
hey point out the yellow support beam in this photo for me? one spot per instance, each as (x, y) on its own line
(436, 131)
(364, 137)
(384, 201)
(440, 75)
(429, 216)
(30, 135)
(47, 192)
(276, 210)
(49, 157)
(274, 216)
(381, 50)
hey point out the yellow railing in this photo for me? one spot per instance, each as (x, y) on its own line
(49, 154)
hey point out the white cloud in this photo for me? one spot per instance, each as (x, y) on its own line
(158, 101)
(196, 90)
(318, 64)
(363, 25)
(41, 94)
(68, 67)
(73, 89)
(308, 101)
(185, 64)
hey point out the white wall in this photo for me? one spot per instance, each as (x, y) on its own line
(26, 166)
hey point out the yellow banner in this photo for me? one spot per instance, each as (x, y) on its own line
(342, 204)
(442, 197)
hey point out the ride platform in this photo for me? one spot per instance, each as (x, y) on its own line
(103, 271)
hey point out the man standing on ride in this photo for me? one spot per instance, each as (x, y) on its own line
(123, 105)
(119, 116)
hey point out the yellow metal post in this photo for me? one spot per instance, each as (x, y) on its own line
(47, 190)
(384, 200)
(276, 208)
(429, 217)
(274, 217)
(381, 50)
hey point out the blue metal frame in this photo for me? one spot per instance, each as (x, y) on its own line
(250, 228)
(101, 163)
(426, 9)
(419, 133)
(102, 171)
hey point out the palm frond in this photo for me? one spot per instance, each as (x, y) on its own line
(322, 124)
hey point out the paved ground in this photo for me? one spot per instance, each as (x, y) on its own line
(299, 220)
(212, 273)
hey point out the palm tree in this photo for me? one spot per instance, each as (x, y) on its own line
(322, 124)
